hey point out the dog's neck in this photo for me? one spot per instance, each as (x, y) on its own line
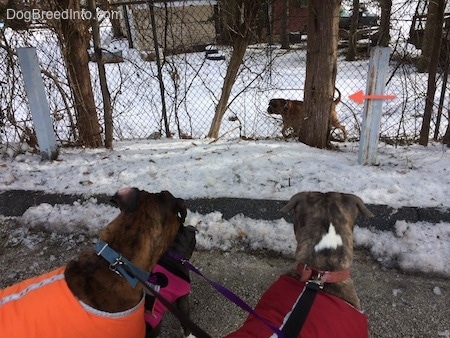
(307, 273)
(337, 283)
(91, 280)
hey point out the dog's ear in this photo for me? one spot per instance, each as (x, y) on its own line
(363, 209)
(182, 210)
(126, 199)
(296, 199)
(358, 202)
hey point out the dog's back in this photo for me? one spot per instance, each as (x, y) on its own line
(35, 307)
(329, 316)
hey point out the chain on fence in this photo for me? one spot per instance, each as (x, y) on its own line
(193, 63)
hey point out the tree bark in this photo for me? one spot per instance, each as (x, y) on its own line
(75, 42)
(237, 56)
(114, 19)
(239, 18)
(352, 40)
(321, 69)
(432, 64)
(433, 27)
(384, 37)
(107, 109)
(446, 139)
(284, 38)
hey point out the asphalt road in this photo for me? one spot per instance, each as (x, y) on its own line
(16, 202)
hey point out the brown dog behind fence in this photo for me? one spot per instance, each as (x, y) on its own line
(291, 112)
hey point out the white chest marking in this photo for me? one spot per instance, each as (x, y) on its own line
(330, 240)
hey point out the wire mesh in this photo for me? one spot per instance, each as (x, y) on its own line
(193, 67)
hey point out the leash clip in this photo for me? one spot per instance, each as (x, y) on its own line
(113, 266)
(317, 279)
(314, 284)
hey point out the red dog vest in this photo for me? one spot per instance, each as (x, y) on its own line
(329, 316)
(45, 307)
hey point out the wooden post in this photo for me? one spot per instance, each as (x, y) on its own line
(37, 100)
(378, 66)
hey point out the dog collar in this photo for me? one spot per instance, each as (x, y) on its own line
(120, 265)
(308, 273)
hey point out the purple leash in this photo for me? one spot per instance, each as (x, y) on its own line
(225, 292)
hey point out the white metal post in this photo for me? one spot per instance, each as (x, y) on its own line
(370, 131)
(40, 111)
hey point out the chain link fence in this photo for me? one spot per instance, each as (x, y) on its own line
(193, 60)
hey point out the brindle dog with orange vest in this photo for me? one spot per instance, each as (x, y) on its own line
(86, 298)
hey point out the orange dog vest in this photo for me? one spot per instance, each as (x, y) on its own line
(45, 307)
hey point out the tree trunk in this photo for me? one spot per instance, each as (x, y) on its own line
(75, 42)
(115, 23)
(433, 27)
(383, 39)
(321, 69)
(237, 56)
(114, 19)
(284, 35)
(432, 63)
(107, 109)
(446, 139)
(239, 18)
(352, 40)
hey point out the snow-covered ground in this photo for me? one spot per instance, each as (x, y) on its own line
(406, 176)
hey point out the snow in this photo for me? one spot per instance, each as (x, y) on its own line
(406, 176)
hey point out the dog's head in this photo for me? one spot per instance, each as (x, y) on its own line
(278, 106)
(323, 226)
(185, 241)
(146, 225)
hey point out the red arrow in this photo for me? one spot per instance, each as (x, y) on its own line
(359, 97)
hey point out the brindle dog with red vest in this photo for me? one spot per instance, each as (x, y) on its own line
(323, 227)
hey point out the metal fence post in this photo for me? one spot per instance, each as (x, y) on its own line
(378, 66)
(37, 100)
